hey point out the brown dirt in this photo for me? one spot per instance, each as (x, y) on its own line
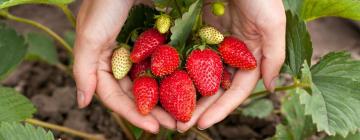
(53, 92)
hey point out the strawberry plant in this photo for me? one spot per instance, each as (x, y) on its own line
(172, 54)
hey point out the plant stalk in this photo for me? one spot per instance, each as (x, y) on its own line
(282, 88)
(69, 15)
(7, 15)
(65, 130)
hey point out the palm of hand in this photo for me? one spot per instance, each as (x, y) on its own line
(260, 24)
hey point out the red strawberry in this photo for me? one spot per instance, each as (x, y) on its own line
(146, 93)
(178, 95)
(164, 60)
(139, 69)
(146, 44)
(226, 79)
(236, 54)
(205, 69)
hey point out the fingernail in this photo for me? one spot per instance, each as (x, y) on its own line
(180, 131)
(200, 128)
(273, 84)
(155, 132)
(80, 98)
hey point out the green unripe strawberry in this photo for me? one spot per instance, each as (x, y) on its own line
(210, 35)
(120, 61)
(163, 23)
(218, 8)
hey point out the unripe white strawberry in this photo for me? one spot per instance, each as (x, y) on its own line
(120, 61)
(163, 23)
(210, 35)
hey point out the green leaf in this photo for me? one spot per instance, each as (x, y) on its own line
(355, 136)
(298, 44)
(12, 49)
(183, 26)
(259, 108)
(297, 126)
(140, 16)
(337, 64)
(41, 47)
(18, 131)
(334, 98)
(10, 3)
(69, 37)
(14, 106)
(293, 5)
(313, 9)
(282, 133)
(136, 131)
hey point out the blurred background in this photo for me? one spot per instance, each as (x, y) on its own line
(53, 91)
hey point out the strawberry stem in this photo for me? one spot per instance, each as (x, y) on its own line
(131, 33)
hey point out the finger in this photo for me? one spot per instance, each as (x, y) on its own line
(114, 97)
(201, 107)
(164, 118)
(243, 83)
(126, 84)
(273, 48)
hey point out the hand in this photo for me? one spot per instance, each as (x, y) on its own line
(98, 24)
(261, 25)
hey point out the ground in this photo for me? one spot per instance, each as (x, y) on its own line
(53, 92)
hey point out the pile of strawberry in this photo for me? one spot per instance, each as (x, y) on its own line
(155, 67)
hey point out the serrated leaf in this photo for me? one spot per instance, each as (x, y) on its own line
(140, 16)
(259, 108)
(41, 47)
(14, 106)
(355, 136)
(334, 98)
(297, 126)
(12, 49)
(18, 131)
(183, 26)
(337, 64)
(10, 3)
(313, 9)
(298, 44)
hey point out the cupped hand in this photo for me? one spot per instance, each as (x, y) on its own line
(98, 24)
(261, 25)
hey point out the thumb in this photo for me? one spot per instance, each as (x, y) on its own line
(86, 56)
(273, 51)
(98, 24)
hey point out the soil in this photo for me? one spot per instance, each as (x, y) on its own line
(53, 91)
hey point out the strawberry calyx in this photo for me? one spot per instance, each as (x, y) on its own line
(123, 45)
